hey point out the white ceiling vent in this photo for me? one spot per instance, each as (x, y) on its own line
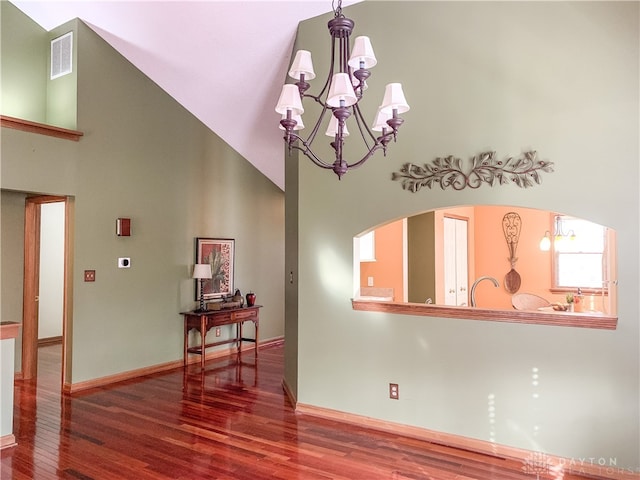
(61, 55)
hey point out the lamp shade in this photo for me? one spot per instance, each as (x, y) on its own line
(362, 55)
(302, 64)
(297, 118)
(545, 243)
(394, 99)
(290, 100)
(332, 129)
(380, 121)
(341, 90)
(202, 270)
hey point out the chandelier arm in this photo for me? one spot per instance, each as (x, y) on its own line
(308, 152)
(362, 128)
(311, 137)
(316, 99)
(362, 125)
(378, 145)
(330, 74)
(344, 56)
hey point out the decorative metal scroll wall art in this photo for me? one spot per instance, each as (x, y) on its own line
(511, 225)
(485, 168)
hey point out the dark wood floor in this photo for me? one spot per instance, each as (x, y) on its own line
(233, 423)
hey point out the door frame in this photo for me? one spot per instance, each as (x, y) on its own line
(460, 267)
(31, 287)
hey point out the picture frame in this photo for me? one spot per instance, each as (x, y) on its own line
(220, 254)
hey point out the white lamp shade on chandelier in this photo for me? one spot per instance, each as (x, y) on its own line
(394, 99)
(380, 121)
(290, 101)
(362, 55)
(332, 130)
(302, 65)
(340, 98)
(341, 92)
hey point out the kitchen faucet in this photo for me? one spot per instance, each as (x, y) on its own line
(475, 284)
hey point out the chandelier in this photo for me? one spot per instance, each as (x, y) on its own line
(558, 236)
(340, 99)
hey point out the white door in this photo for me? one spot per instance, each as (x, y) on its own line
(455, 262)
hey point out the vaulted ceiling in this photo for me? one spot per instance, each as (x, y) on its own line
(224, 61)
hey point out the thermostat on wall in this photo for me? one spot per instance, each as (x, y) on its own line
(124, 262)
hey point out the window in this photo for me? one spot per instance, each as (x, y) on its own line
(579, 254)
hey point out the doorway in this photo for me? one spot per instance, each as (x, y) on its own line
(455, 262)
(51, 274)
(31, 291)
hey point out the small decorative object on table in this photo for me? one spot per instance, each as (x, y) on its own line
(251, 299)
(237, 297)
(578, 303)
(570, 300)
(235, 301)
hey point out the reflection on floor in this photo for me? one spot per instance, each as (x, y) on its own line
(230, 422)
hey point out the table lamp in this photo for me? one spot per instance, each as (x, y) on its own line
(201, 272)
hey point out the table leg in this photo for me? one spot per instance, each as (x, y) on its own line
(255, 323)
(239, 334)
(203, 335)
(186, 340)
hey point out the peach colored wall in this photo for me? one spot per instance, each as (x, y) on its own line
(387, 270)
(533, 265)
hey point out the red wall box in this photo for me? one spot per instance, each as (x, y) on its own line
(123, 227)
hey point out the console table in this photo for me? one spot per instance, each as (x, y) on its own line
(204, 321)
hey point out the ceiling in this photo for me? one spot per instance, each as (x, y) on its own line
(224, 61)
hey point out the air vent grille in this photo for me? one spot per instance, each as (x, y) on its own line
(61, 55)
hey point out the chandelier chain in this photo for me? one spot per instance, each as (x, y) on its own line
(337, 10)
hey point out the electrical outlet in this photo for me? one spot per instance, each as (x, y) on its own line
(369, 281)
(217, 331)
(394, 391)
(89, 275)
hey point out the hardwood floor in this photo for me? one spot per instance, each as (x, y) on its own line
(231, 423)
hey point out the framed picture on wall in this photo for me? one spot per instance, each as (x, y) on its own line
(219, 253)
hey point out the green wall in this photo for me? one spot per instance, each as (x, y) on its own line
(421, 252)
(12, 261)
(28, 92)
(557, 77)
(24, 65)
(145, 157)
(62, 96)
(291, 272)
